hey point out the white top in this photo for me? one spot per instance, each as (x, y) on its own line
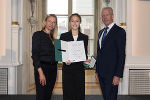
(109, 27)
(75, 37)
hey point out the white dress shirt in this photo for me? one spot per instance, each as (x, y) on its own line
(100, 39)
(75, 37)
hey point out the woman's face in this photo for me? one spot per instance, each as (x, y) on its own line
(75, 23)
(50, 23)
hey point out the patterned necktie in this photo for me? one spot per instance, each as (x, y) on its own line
(104, 35)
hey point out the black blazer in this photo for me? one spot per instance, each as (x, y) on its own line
(42, 49)
(68, 37)
(111, 57)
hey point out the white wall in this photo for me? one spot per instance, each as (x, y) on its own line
(138, 32)
(5, 34)
(2, 27)
(141, 28)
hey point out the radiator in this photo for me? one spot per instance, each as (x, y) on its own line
(3, 80)
(139, 81)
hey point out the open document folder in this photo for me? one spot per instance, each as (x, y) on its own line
(71, 50)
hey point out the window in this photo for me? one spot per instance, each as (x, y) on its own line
(64, 8)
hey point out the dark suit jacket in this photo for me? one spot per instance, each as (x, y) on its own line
(81, 37)
(111, 57)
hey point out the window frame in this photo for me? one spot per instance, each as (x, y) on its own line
(96, 15)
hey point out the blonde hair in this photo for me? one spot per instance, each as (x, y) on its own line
(54, 32)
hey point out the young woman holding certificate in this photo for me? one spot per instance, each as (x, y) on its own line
(74, 73)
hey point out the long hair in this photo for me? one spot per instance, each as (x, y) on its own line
(54, 32)
(76, 14)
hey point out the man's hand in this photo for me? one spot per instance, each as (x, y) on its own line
(96, 76)
(116, 80)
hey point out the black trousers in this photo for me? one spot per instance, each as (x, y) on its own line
(50, 72)
(109, 90)
(73, 83)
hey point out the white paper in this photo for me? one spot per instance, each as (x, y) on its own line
(92, 62)
(75, 51)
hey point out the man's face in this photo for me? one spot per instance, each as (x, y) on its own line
(107, 17)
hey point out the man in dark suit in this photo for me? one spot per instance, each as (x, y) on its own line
(110, 55)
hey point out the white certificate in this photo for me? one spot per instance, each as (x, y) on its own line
(73, 51)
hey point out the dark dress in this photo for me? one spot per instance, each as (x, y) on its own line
(43, 55)
(74, 74)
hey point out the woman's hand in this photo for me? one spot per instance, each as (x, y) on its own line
(68, 62)
(87, 61)
(42, 77)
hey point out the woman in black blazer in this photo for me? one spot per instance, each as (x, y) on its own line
(43, 55)
(74, 73)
